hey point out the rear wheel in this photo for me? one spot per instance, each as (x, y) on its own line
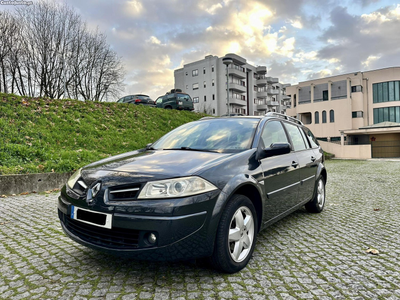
(316, 205)
(168, 107)
(236, 235)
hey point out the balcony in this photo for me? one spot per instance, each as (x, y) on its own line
(262, 94)
(272, 103)
(286, 97)
(237, 101)
(241, 88)
(261, 81)
(272, 80)
(273, 92)
(262, 107)
(240, 73)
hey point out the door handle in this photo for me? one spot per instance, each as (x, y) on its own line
(294, 164)
(313, 158)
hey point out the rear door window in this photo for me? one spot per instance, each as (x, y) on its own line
(296, 137)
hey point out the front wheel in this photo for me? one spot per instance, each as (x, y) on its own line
(316, 205)
(236, 235)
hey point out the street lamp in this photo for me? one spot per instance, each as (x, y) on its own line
(227, 61)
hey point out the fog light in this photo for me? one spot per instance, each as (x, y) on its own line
(152, 238)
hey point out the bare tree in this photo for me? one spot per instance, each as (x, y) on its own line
(8, 30)
(50, 52)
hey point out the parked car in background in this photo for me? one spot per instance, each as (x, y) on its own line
(204, 189)
(175, 99)
(232, 115)
(137, 99)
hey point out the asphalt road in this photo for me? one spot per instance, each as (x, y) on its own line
(304, 256)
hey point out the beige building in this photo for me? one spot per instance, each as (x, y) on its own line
(355, 115)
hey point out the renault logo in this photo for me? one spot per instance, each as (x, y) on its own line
(91, 194)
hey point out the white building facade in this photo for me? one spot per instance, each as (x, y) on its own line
(251, 91)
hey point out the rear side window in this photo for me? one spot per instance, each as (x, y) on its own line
(311, 138)
(128, 98)
(296, 137)
(273, 133)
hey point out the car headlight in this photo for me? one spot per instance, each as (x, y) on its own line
(74, 178)
(177, 187)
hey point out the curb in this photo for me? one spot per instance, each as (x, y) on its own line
(28, 183)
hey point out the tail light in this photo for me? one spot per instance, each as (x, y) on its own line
(137, 100)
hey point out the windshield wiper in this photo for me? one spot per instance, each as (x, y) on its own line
(191, 149)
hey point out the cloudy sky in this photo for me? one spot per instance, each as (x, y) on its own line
(296, 39)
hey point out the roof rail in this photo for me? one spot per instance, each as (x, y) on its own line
(282, 116)
(206, 118)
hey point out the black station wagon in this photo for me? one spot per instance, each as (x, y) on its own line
(204, 190)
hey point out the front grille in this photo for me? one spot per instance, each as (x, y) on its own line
(115, 238)
(124, 193)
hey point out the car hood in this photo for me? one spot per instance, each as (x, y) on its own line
(144, 165)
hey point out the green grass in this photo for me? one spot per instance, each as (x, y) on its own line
(40, 135)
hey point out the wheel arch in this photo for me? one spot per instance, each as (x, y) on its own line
(244, 185)
(251, 192)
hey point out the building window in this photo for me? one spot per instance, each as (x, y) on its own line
(331, 116)
(205, 98)
(195, 72)
(204, 84)
(213, 111)
(386, 91)
(212, 68)
(356, 88)
(357, 114)
(213, 82)
(316, 117)
(204, 70)
(187, 87)
(323, 116)
(196, 100)
(186, 73)
(195, 86)
(387, 114)
(325, 96)
(213, 96)
(339, 90)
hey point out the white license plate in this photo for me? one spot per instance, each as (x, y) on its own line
(180, 102)
(91, 217)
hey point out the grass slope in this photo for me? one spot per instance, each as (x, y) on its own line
(45, 135)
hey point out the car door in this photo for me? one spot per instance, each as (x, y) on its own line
(280, 177)
(307, 164)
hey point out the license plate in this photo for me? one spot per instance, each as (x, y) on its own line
(91, 217)
(180, 102)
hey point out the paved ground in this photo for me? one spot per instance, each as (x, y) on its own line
(304, 256)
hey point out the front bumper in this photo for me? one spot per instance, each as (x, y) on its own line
(182, 233)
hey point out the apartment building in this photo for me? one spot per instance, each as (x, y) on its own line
(355, 115)
(251, 91)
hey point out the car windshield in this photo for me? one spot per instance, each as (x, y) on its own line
(215, 135)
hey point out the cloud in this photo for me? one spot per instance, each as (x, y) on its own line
(358, 42)
(296, 40)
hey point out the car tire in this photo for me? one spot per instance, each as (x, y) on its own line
(316, 205)
(236, 235)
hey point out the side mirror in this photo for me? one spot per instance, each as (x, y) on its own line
(148, 146)
(275, 149)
